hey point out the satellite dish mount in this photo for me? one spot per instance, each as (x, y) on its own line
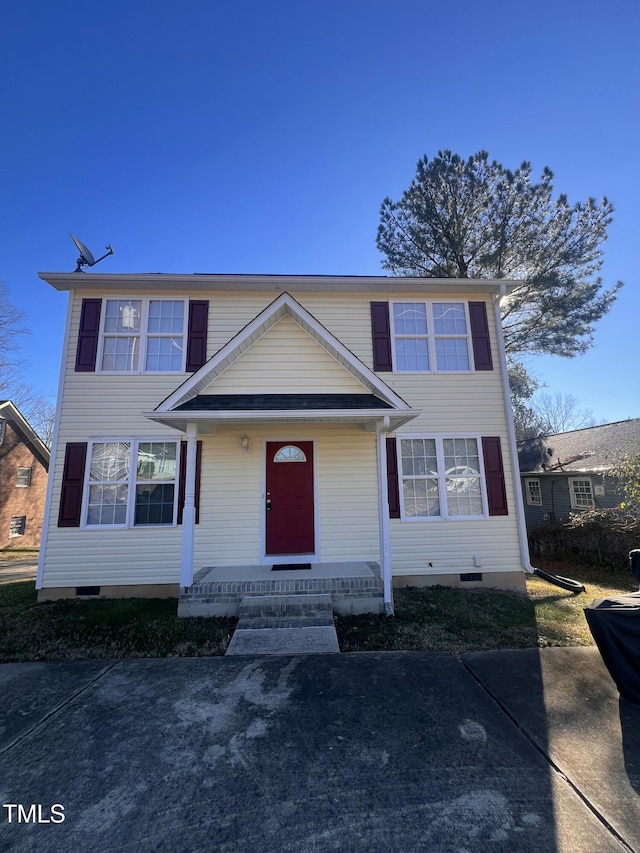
(86, 259)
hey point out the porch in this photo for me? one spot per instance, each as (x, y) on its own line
(354, 587)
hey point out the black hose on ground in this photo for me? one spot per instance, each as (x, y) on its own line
(564, 583)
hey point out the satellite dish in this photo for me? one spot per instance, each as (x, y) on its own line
(86, 258)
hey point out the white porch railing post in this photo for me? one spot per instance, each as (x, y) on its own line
(189, 511)
(383, 512)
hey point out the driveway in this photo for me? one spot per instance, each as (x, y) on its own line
(491, 751)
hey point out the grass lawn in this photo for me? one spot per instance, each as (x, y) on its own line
(433, 619)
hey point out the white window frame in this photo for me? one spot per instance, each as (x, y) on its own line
(143, 335)
(442, 477)
(531, 499)
(431, 335)
(131, 483)
(573, 496)
(23, 526)
(27, 477)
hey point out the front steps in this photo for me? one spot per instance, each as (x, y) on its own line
(353, 587)
(285, 625)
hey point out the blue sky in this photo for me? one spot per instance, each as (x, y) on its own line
(262, 137)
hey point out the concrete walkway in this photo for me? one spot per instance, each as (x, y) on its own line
(492, 751)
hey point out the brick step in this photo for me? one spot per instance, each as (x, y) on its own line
(286, 605)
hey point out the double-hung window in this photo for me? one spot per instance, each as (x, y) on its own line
(533, 493)
(18, 525)
(131, 483)
(441, 477)
(143, 335)
(430, 337)
(581, 493)
(23, 478)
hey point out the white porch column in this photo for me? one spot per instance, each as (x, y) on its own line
(189, 511)
(383, 512)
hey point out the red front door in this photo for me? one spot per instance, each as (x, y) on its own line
(289, 498)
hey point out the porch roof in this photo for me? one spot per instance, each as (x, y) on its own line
(281, 402)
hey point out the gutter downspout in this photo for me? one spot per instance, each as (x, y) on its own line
(565, 583)
(383, 514)
(511, 432)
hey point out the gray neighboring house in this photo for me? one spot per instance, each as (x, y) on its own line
(567, 472)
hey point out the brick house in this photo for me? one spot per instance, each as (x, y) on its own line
(24, 467)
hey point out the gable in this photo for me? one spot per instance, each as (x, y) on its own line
(285, 359)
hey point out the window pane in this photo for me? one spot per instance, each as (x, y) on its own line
(452, 354)
(418, 456)
(164, 354)
(166, 315)
(410, 318)
(421, 498)
(461, 454)
(123, 315)
(107, 505)
(464, 496)
(156, 460)
(449, 318)
(110, 461)
(120, 354)
(154, 504)
(412, 354)
(290, 453)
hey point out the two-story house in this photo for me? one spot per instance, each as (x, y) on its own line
(24, 466)
(230, 434)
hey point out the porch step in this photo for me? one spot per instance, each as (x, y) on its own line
(286, 605)
(285, 625)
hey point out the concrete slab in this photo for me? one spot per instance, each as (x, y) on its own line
(356, 752)
(566, 702)
(30, 692)
(315, 640)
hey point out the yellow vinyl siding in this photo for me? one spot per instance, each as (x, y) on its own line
(285, 359)
(232, 488)
(232, 493)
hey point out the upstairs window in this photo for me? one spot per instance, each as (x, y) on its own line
(23, 478)
(430, 337)
(143, 335)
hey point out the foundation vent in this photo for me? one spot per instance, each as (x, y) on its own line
(87, 590)
(471, 576)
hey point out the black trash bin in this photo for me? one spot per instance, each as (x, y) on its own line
(615, 626)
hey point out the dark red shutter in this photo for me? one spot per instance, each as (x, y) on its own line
(381, 336)
(197, 334)
(480, 336)
(393, 479)
(87, 350)
(182, 479)
(494, 476)
(75, 457)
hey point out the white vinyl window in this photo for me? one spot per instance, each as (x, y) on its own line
(143, 335)
(18, 525)
(533, 493)
(441, 477)
(581, 493)
(23, 478)
(131, 483)
(430, 337)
